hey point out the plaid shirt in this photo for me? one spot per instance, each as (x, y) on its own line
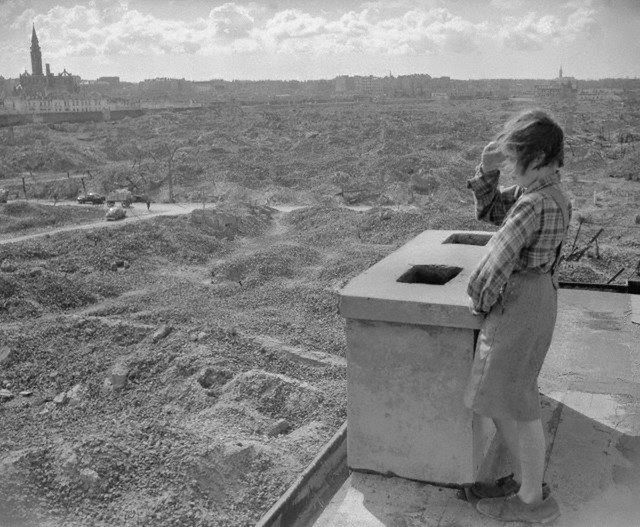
(531, 230)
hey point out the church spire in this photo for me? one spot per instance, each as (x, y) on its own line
(36, 56)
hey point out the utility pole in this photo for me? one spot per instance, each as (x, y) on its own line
(170, 176)
(172, 153)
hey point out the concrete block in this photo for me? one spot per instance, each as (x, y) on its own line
(405, 410)
(376, 293)
(411, 340)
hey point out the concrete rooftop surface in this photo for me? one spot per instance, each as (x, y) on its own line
(591, 414)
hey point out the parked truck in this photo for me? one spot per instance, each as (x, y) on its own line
(122, 195)
(125, 197)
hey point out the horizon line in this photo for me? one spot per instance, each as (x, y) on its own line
(342, 75)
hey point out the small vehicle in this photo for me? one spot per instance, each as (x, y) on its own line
(116, 213)
(4, 195)
(91, 197)
(123, 195)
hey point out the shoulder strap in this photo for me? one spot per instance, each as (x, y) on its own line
(554, 192)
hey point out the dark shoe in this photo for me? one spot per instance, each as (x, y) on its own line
(502, 487)
(513, 509)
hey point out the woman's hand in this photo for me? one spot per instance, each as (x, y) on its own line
(492, 157)
(472, 308)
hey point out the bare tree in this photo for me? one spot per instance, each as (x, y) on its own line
(168, 151)
(140, 160)
(172, 150)
(30, 162)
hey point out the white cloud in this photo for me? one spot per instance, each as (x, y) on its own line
(231, 21)
(583, 20)
(293, 24)
(413, 32)
(102, 28)
(10, 8)
(533, 31)
(23, 21)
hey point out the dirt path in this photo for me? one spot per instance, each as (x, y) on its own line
(138, 212)
(274, 232)
(277, 227)
(135, 213)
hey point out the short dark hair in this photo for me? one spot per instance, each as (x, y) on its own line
(529, 134)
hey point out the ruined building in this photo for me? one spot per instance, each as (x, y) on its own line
(560, 89)
(42, 84)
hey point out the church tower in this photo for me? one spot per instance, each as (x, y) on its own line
(36, 56)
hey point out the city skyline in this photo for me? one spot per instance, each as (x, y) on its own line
(302, 40)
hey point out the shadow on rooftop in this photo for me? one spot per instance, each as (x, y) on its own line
(592, 466)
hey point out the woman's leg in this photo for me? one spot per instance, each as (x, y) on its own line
(527, 505)
(531, 455)
(508, 429)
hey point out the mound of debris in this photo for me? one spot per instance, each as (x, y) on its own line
(256, 267)
(24, 216)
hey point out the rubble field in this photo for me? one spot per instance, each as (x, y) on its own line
(410, 152)
(185, 370)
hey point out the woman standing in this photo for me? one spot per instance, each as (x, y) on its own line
(515, 287)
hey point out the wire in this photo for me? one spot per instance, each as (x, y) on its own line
(612, 222)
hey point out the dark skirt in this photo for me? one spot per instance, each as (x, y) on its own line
(511, 347)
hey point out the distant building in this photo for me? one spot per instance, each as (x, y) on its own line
(600, 94)
(114, 81)
(368, 85)
(23, 105)
(44, 97)
(38, 83)
(521, 90)
(414, 85)
(559, 89)
(36, 55)
(164, 84)
(344, 84)
(6, 87)
(210, 87)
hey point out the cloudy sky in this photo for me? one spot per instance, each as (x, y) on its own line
(306, 39)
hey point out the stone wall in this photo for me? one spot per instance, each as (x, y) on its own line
(65, 117)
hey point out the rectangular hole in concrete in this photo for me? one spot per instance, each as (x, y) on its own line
(464, 238)
(429, 274)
